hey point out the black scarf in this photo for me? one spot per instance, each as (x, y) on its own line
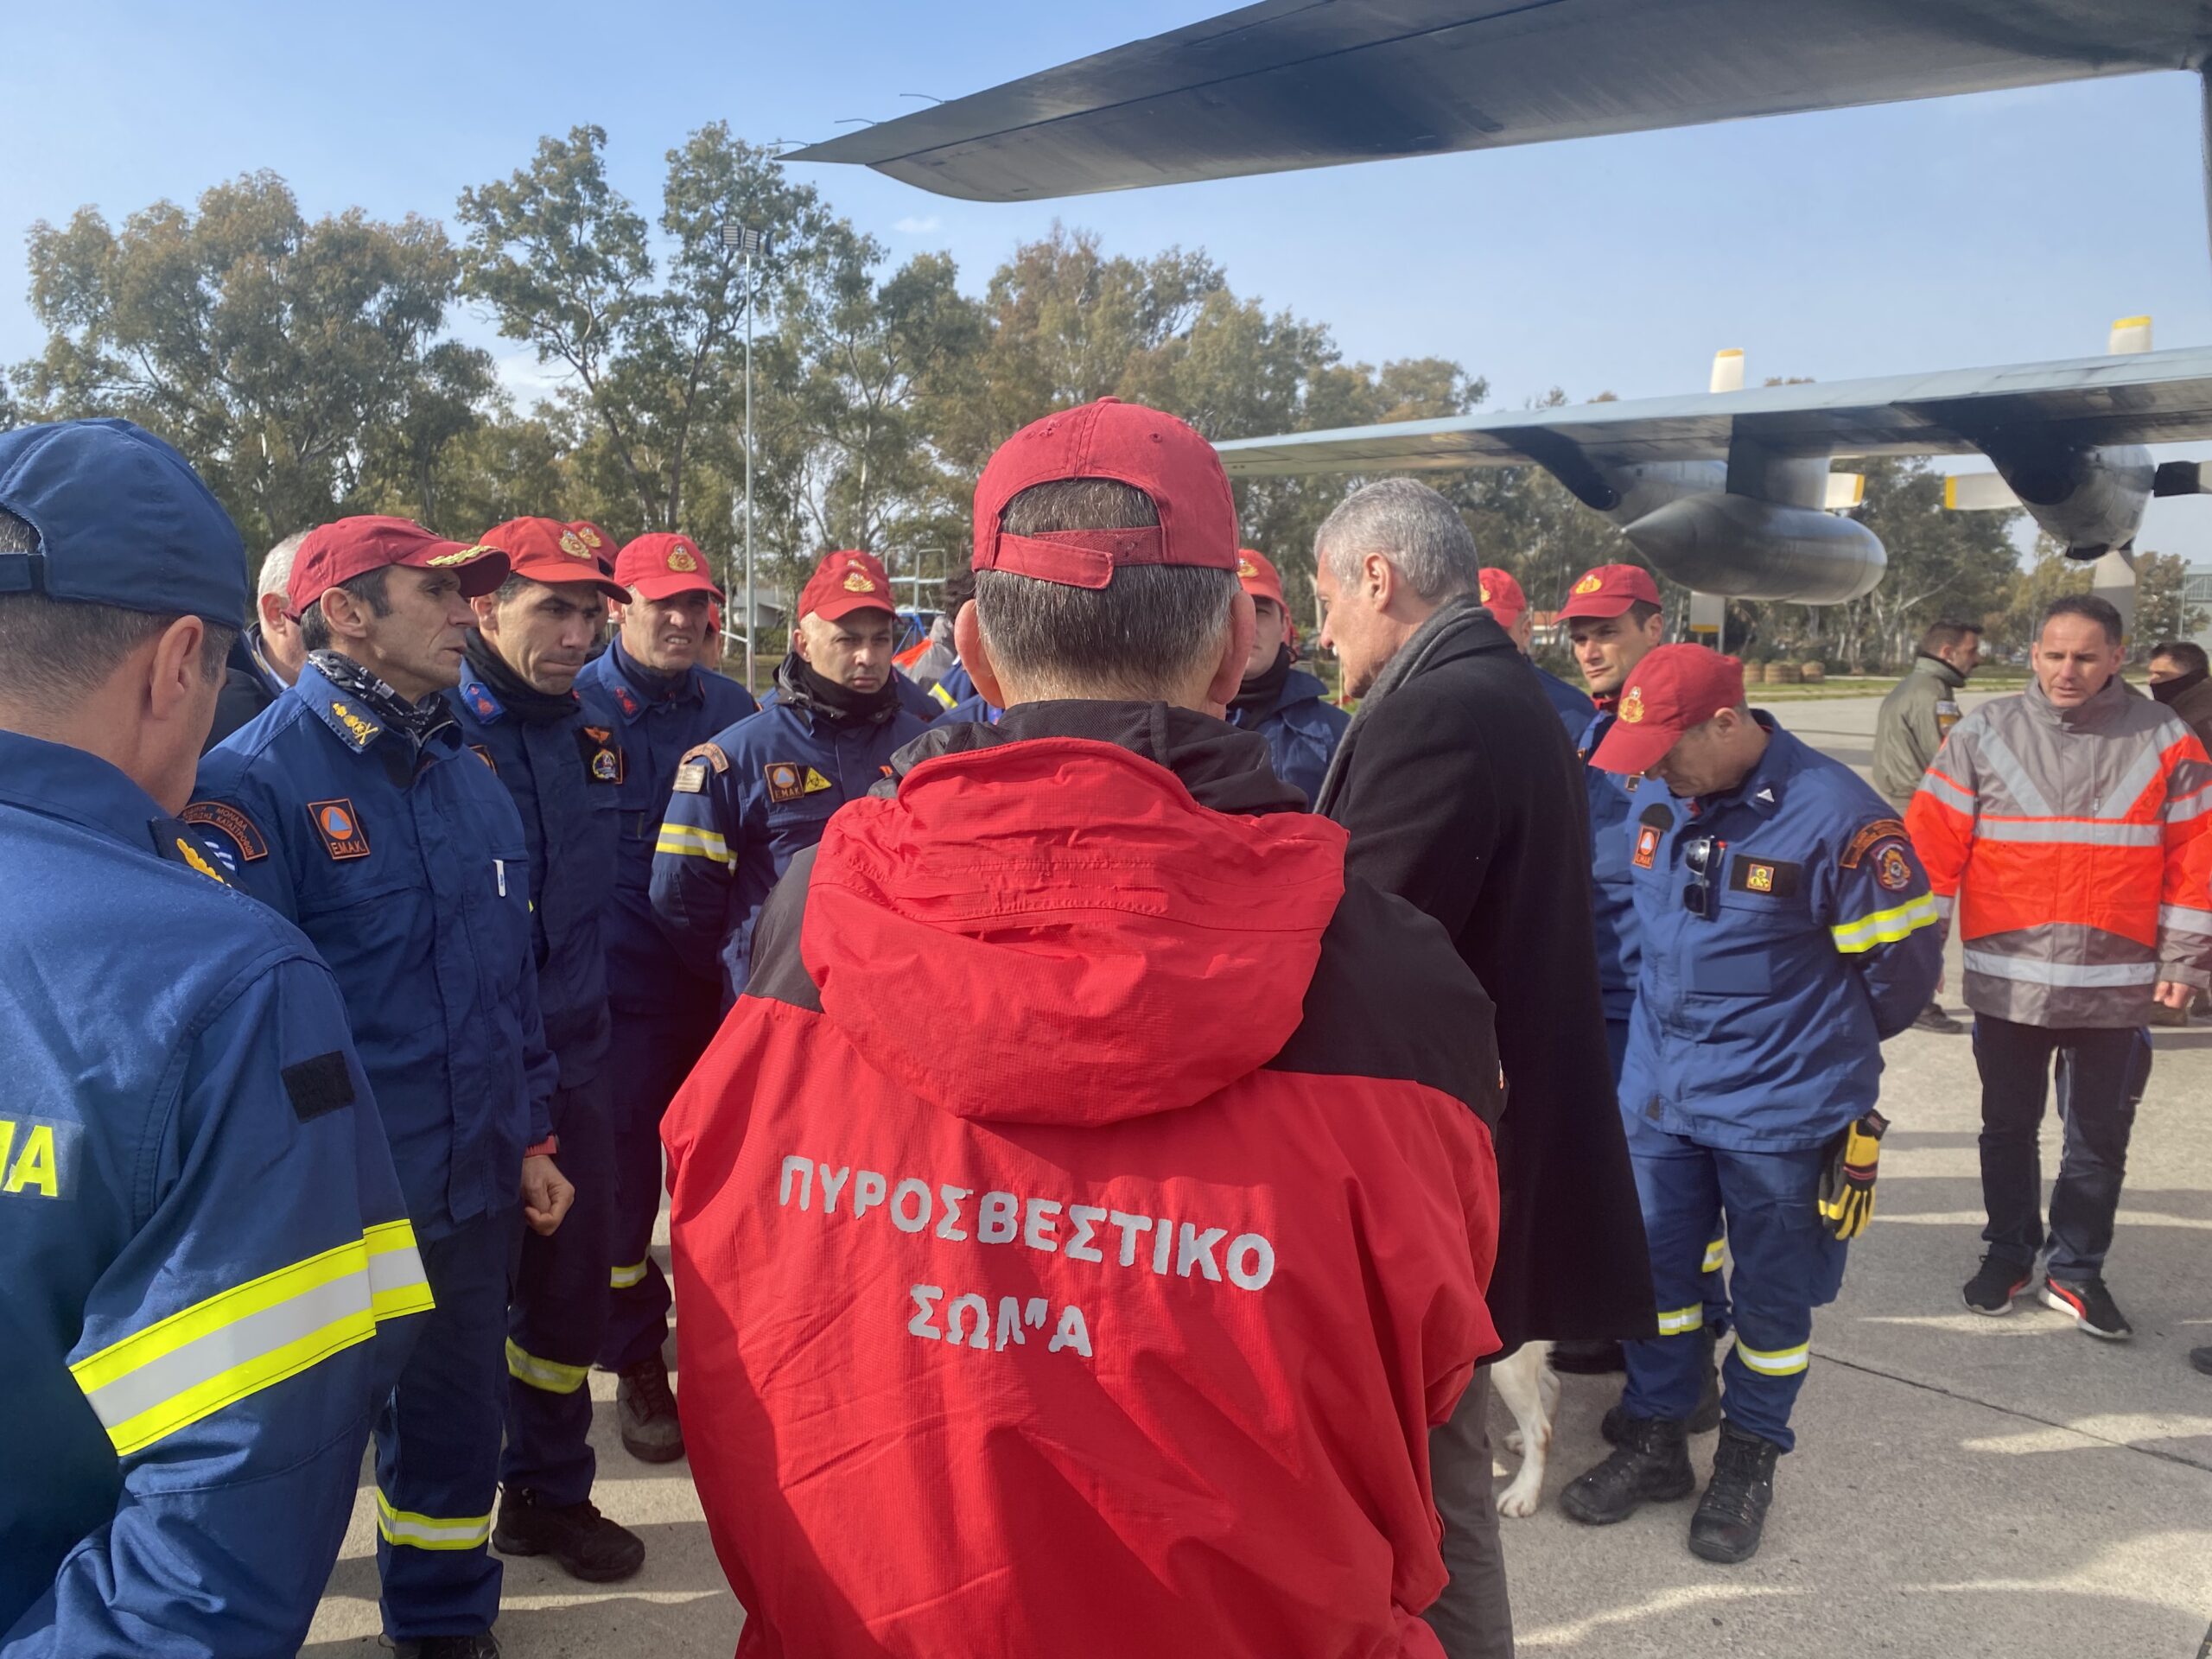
(420, 722)
(1258, 694)
(2172, 691)
(798, 685)
(518, 695)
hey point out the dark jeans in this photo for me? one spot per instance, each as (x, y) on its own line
(2101, 1068)
(1473, 1618)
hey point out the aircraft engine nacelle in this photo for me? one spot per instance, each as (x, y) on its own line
(1746, 548)
(2087, 500)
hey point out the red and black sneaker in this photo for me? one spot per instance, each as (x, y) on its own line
(2091, 1306)
(1992, 1289)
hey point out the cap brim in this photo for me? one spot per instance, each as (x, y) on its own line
(667, 584)
(479, 576)
(1632, 749)
(1597, 608)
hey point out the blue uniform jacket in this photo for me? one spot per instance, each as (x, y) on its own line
(407, 868)
(956, 687)
(563, 775)
(1613, 800)
(203, 1233)
(760, 791)
(1760, 1028)
(1302, 729)
(658, 721)
(1573, 708)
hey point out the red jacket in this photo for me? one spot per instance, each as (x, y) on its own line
(1082, 1217)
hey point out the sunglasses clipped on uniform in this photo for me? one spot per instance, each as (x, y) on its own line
(1701, 857)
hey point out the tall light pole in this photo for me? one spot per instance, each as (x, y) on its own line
(748, 242)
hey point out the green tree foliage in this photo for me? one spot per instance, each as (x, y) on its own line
(299, 363)
(2162, 610)
(2049, 575)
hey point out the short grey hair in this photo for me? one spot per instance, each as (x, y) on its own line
(1408, 523)
(276, 565)
(370, 588)
(1137, 637)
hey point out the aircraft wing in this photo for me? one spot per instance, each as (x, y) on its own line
(2147, 398)
(1291, 84)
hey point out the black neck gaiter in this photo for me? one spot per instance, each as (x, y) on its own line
(798, 685)
(1258, 694)
(521, 699)
(2168, 690)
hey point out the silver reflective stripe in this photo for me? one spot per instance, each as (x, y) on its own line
(2014, 775)
(1948, 792)
(2079, 832)
(2061, 973)
(2176, 919)
(1944, 907)
(2133, 782)
(2189, 806)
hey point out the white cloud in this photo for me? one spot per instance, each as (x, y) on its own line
(911, 225)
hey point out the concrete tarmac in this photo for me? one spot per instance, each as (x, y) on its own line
(1962, 1487)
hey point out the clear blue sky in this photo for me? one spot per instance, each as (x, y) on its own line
(2001, 228)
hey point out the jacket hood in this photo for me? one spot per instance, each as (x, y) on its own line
(1054, 929)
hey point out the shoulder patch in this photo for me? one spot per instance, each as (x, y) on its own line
(320, 1085)
(787, 781)
(1770, 876)
(1870, 837)
(340, 826)
(692, 778)
(484, 754)
(815, 783)
(221, 816)
(604, 762)
(1647, 846)
(1892, 869)
(711, 754)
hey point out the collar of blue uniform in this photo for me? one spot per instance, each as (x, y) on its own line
(359, 707)
(1762, 790)
(60, 782)
(638, 688)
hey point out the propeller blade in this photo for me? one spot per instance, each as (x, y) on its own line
(1977, 492)
(2130, 335)
(1728, 370)
(1845, 490)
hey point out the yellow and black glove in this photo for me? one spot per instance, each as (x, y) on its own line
(1847, 1183)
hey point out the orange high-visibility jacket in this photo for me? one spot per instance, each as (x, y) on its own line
(2077, 846)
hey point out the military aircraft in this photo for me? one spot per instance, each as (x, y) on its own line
(1728, 491)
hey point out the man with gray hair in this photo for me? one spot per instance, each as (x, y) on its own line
(267, 656)
(1099, 967)
(1462, 794)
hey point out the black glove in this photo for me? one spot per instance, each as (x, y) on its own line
(1847, 1182)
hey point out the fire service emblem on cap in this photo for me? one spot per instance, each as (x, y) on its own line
(1632, 705)
(680, 559)
(1589, 584)
(858, 582)
(572, 546)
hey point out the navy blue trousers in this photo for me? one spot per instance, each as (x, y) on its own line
(558, 1317)
(438, 1442)
(1716, 1282)
(651, 1055)
(1784, 1264)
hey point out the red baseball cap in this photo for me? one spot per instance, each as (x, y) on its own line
(663, 564)
(1260, 576)
(601, 543)
(1503, 596)
(347, 548)
(1673, 689)
(547, 551)
(1133, 445)
(843, 582)
(1609, 590)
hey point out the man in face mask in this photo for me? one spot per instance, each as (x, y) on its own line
(765, 788)
(2179, 679)
(1286, 705)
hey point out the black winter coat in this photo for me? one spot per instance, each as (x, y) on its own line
(244, 693)
(1462, 794)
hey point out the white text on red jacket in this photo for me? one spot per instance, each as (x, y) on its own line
(1080, 1232)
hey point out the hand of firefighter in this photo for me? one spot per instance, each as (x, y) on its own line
(546, 1193)
(1847, 1183)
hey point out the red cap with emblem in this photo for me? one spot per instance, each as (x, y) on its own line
(843, 582)
(348, 547)
(547, 551)
(663, 565)
(1133, 445)
(1609, 590)
(601, 543)
(1260, 579)
(1503, 596)
(1673, 689)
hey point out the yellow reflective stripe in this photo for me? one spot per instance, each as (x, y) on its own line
(397, 1285)
(216, 1352)
(943, 695)
(547, 1373)
(1885, 926)
(623, 1278)
(1674, 1322)
(430, 1531)
(689, 840)
(1713, 1255)
(1779, 1362)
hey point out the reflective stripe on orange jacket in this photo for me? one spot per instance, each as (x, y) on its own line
(2077, 844)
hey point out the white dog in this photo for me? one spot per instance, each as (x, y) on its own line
(1530, 1389)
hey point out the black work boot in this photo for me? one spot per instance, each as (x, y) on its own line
(1703, 1421)
(1650, 1466)
(479, 1644)
(646, 1406)
(1732, 1513)
(584, 1542)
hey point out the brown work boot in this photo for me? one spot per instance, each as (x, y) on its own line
(646, 1406)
